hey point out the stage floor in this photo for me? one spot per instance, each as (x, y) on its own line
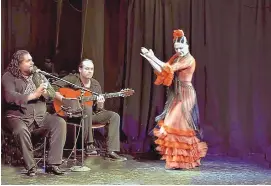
(214, 170)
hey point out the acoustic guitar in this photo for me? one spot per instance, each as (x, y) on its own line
(87, 98)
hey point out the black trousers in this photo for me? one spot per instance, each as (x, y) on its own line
(56, 127)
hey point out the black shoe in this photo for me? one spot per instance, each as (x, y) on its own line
(115, 156)
(54, 169)
(32, 171)
(91, 150)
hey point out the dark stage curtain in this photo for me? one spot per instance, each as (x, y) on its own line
(230, 42)
(29, 25)
(33, 25)
(93, 35)
(68, 36)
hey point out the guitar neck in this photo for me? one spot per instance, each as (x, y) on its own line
(112, 95)
(106, 96)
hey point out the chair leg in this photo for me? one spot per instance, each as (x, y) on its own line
(102, 147)
(4, 151)
(44, 153)
(11, 157)
(75, 145)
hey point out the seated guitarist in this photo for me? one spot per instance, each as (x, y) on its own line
(99, 115)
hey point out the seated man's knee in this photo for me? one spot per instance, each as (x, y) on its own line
(60, 123)
(21, 131)
(88, 109)
(116, 118)
(116, 115)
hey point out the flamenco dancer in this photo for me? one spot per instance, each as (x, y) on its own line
(178, 135)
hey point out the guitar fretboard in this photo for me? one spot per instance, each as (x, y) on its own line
(107, 95)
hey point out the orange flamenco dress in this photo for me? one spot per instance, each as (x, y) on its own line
(177, 138)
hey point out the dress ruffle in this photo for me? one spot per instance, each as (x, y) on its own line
(180, 148)
(165, 77)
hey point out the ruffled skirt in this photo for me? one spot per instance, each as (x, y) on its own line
(177, 138)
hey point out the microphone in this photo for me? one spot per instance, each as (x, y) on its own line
(42, 78)
(36, 70)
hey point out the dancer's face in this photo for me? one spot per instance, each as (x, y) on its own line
(181, 47)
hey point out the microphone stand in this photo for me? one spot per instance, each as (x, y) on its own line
(74, 85)
(81, 168)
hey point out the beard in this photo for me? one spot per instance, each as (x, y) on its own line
(88, 76)
(32, 70)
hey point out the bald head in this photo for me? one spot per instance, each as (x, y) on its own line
(85, 61)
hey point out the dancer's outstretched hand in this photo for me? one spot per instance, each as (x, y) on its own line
(147, 53)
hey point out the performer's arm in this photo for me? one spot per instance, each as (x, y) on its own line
(158, 61)
(182, 65)
(59, 96)
(154, 61)
(50, 92)
(11, 96)
(154, 65)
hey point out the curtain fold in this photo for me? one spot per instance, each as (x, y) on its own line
(93, 36)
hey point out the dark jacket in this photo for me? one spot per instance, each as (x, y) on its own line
(15, 101)
(75, 79)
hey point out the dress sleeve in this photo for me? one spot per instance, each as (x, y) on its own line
(165, 77)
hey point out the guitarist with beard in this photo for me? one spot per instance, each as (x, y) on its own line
(98, 115)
